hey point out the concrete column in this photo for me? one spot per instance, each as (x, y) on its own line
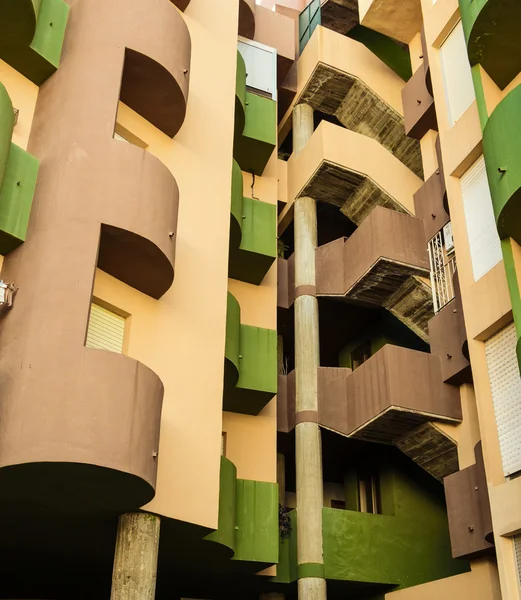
(308, 451)
(135, 561)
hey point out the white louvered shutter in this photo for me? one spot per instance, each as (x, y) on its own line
(485, 247)
(106, 329)
(517, 550)
(457, 75)
(505, 384)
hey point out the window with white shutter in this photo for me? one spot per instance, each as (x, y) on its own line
(517, 549)
(457, 75)
(106, 329)
(505, 384)
(261, 67)
(485, 247)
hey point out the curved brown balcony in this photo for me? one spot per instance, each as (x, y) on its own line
(339, 76)
(247, 18)
(468, 510)
(80, 426)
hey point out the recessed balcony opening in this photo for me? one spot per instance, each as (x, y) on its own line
(286, 340)
(286, 145)
(332, 224)
(350, 334)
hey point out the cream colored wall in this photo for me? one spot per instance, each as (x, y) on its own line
(400, 19)
(350, 56)
(486, 302)
(355, 151)
(252, 440)
(428, 151)
(181, 337)
(479, 584)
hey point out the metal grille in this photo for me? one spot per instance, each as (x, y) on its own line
(106, 329)
(505, 384)
(442, 272)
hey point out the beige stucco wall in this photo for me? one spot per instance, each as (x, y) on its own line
(479, 584)
(400, 19)
(357, 152)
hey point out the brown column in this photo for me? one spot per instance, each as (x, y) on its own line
(308, 451)
(135, 561)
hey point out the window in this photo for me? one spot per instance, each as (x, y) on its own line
(485, 247)
(261, 67)
(106, 330)
(517, 550)
(369, 493)
(443, 265)
(457, 75)
(338, 504)
(308, 20)
(505, 385)
(360, 354)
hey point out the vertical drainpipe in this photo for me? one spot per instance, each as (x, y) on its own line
(308, 450)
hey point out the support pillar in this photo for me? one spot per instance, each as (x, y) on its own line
(135, 561)
(308, 450)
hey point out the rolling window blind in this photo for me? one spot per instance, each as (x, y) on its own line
(106, 329)
(457, 76)
(505, 384)
(517, 550)
(485, 247)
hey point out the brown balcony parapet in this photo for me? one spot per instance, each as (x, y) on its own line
(391, 394)
(418, 106)
(468, 510)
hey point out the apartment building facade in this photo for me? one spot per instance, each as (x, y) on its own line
(259, 299)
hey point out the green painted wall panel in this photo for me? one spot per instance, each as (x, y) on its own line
(502, 150)
(240, 94)
(409, 548)
(31, 36)
(385, 48)
(257, 522)
(16, 198)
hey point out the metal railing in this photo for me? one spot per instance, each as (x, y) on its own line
(443, 267)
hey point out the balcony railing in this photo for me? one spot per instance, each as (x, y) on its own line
(443, 266)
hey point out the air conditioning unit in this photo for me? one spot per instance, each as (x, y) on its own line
(447, 237)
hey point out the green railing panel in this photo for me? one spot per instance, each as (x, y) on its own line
(6, 129)
(16, 198)
(225, 533)
(250, 376)
(502, 151)
(31, 36)
(258, 368)
(492, 32)
(309, 19)
(257, 522)
(254, 146)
